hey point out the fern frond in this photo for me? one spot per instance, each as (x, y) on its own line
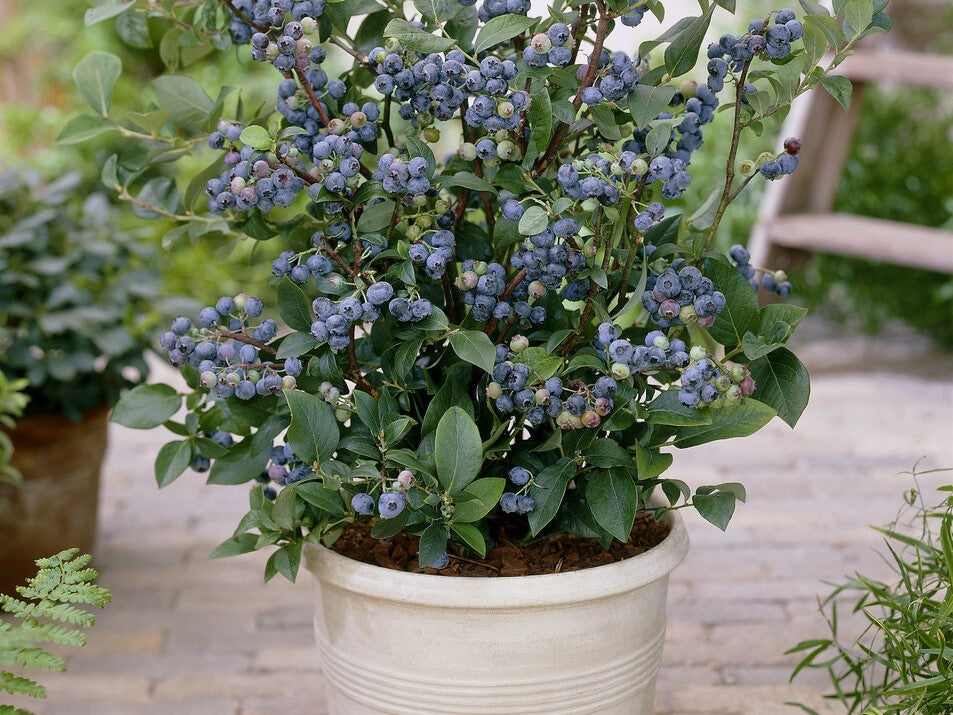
(17, 685)
(32, 658)
(62, 580)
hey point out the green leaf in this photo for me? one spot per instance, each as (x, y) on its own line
(681, 55)
(458, 449)
(613, 500)
(257, 137)
(704, 216)
(95, 75)
(106, 11)
(475, 347)
(783, 383)
(248, 458)
(468, 181)
(405, 356)
(285, 561)
(452, 392)
(840, 88)
(477, 499)
(235, 546)
(646, 103)
(146, 406)
(283, 512)
(293, 306)
(439, 10)
(296, 344)
(790, 315)
(433, 544)
(540, 117)
(375, 217)
(729, 5)
(606, 453)
(386, 528)
(605, 121)
(415, 38)
(418, 147)
(313, 433)
(534, 220)
(657, 140)
(716, 508)
(726, 423)
(323, 497)
(859, 13)
(756, 347)
(183, 97)
(667, 409)
(500, 29)
(471, 536)
(173, 459)
(541, 362)
(741, 304)
(650, 462)
(548, 490)
(84, 127)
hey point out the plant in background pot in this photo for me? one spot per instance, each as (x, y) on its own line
(485, 358)
(12, 403)
(73, 288)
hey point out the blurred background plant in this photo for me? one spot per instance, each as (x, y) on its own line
(76, 291)
(902, 659)
(12, 403)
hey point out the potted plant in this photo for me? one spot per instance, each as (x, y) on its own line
(73, 286)
(464, 421)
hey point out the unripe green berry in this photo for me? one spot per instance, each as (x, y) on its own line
(480, 268)
(494, 390)
(505, 110)
(208, 379)
(765, 157)
(308, 25)
(640, 167)
(341, 415)
(688, 315)
(747, 168)
(542, 397)
(620, 371)
(519, 343)
(688, 88)
(467, 151)
(541, 43)
(697, 353)
(288, 382)
(432, 135)
(661, 342)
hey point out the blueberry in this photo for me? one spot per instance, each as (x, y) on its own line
(390, 504)
(509, 502)
(362, 504)
(519, 476)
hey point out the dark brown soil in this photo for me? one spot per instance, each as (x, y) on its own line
(547, 554)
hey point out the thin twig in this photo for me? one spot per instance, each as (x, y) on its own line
(242, 338)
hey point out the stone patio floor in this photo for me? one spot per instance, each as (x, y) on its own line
(187, 635)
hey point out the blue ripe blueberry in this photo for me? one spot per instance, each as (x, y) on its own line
(519, 476)
(418, 253)
(441, 561)
(555, 386)
(784, 16)
(362, 504)
(245, 390)
(605, 387)
(709, 393)
(524, 399)
(558, 33)
(336, 89)
(668, 285)
(525, 504)
(771, 170)
(225, 305)
(607, 333)
(293, 366)
(420, 309)
(390, 504)
(576, 405)
(504, 404)
(337, 324)
(509, 503)
(300, 274)
(591, 96)
(512, 210)
(566, 227)
(620, 351)
(167, 340)
(253, 306)
(784, 289)
(181, 325)
(690, 278)
(248, 354)
(350, 309)
(689, 398)
(739, 254)
(380, 293)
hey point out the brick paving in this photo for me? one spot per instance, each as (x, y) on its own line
(186, 635)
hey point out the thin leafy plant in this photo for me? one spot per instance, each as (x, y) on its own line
(902, 660)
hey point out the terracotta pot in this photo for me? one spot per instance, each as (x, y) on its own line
(55, 507)
(586, 641)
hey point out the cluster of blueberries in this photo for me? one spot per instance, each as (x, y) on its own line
(231, 367)
(389, 504)
(424, 84)
(705, 384)
(251, 178)
(494, 8)
(550, 48)
(657, 352)
(617, 77)
(272, 13)
(785, 164)
(334, 319)
(495, 105)
(680, 296)
(776, 282)
(517, 503)
(403, 178)
(511, 390)
(434, 251)
(285, 467)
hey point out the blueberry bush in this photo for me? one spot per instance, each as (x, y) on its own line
(76, 292)
(487, 308)
(12, 403)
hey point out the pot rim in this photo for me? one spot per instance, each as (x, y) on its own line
(495, 592)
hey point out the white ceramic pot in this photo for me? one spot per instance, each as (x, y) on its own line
(586, 641)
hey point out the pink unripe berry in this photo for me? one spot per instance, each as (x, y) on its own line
(591, 419)
(603, 406)
(405, 478)
(747, 386)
